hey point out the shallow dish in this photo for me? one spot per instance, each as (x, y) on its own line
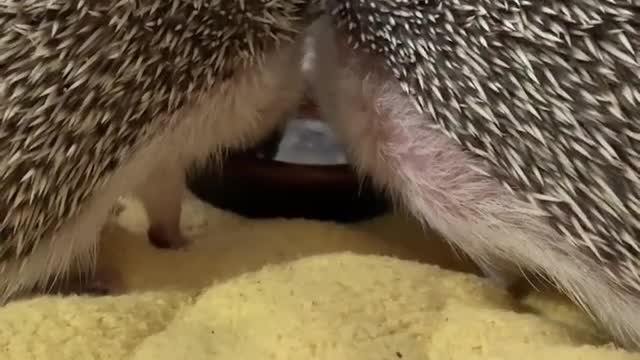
(300, 172)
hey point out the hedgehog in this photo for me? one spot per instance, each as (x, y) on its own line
(510, 127)
(101, 99)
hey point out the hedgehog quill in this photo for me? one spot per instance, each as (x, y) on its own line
(512, 127)
(100, 99)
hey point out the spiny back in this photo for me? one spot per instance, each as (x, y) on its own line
(546, 92)
(83, 84)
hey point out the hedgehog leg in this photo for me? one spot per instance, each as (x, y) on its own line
(162, 195)
(385, 138)
(404, 151)
(389, 141)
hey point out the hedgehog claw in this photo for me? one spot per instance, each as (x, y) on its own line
(102, 283)
(98, 287)
(162, 238)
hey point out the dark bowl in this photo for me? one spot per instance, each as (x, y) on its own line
(251, 183)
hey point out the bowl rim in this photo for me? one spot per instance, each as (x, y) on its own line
(289, 173)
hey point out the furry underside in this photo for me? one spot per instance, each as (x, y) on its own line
(234, 114)
(443, 186)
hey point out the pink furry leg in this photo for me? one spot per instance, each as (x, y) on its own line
(162, 196)
(405, 152)
(389, 140)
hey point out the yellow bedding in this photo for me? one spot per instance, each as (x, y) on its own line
(294, 290)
